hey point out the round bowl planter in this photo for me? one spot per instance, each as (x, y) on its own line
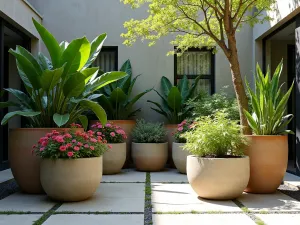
(179, 157)
(171, 128)
(71, 180)
(127, 126)
(218, 178)
(25, 166)
(114, 158)
(149, 156)
(268, 162)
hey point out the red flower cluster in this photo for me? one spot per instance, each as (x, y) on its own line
(70, 144)
(110, 132)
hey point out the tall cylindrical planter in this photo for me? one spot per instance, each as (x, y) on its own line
(71, 179)
(171, 128)
(218, 178)
(268, 162)
(150, 156)
(114, 158)
(25, 166)
(179, 157)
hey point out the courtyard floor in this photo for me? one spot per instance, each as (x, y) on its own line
(137, 198)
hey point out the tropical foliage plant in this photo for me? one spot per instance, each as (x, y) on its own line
(215, 136)
(110, 132)
(174, 99)
(61, 89)
(147, 132)
(116, 98)
(269, 104)
(70, 144)
(198, 23)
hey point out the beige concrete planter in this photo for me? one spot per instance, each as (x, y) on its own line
(179, 157)
(114, 159)
(171, 128)
(25, 166)
(149, 156)
(268, 162)
(218, 178)
(71, 179)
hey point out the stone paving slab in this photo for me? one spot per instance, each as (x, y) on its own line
(269, 202)
(111, 197)
(95, 220)
(291, 179)
(18, 219)
(181, 198)
(168, 176)
(125, 176)
(5, 175)
(280, 219)
(26, 202)
(203, 219)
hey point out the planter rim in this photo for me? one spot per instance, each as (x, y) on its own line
(266, 136)
(117, 143)
(150, 143)
(241, 157)
(81, 159)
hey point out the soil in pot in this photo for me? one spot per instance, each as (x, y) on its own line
(218, 178)
(71, 179)
(150, 156)
(114, 158)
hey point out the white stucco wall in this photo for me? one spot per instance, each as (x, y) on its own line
(69, 19)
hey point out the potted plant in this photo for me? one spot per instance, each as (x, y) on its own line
(149, 146)
(115, 157)
(58, 92)
(71, 165)
(217, 168)
(173, 107)
(179, 155)
(118, 101)
(268, 150)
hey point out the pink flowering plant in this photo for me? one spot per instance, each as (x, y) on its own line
(70, 144)
(183, 127)
(110, 132)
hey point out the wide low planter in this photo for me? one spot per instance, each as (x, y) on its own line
(114, 158)
(179, 157)
(218, 178)
(25, 166)
(171, 128)
(149, 156)
(71, 179)
(268, 162)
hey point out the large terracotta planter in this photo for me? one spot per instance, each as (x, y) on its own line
(25, 166)
(114, 158)
(218, 178)
(149, 156)
(127, 126)
(171, 128)
(268, 162)
(179, 157)
(71, 179)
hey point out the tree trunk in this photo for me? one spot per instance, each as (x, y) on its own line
(238, 83)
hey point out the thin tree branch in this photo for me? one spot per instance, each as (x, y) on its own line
(238, 10)
(242, 15)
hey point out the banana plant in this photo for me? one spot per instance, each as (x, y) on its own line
(116, 97)
(174, 99)
(59, 90)
(269, 103)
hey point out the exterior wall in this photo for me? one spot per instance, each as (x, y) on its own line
(75, 18)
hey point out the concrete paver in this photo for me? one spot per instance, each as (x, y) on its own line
(18, 219)
(279, 219)
(168, 176)
(5, 175)
(125, 176)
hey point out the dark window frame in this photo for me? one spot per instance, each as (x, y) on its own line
(210, 77)
(112, 49)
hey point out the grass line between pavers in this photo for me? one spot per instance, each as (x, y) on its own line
(249, 213)
(119, 182)
(148, 202)
(19, 212)
(47, 214)
(96, 213)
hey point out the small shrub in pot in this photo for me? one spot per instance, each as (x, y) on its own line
(149, 146)
(217, 168)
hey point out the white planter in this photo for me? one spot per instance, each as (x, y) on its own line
(150, 156)
(179, 157)
(218, 178)
(114, 158)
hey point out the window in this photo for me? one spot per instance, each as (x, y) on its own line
(107, 60)
(193, 63)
